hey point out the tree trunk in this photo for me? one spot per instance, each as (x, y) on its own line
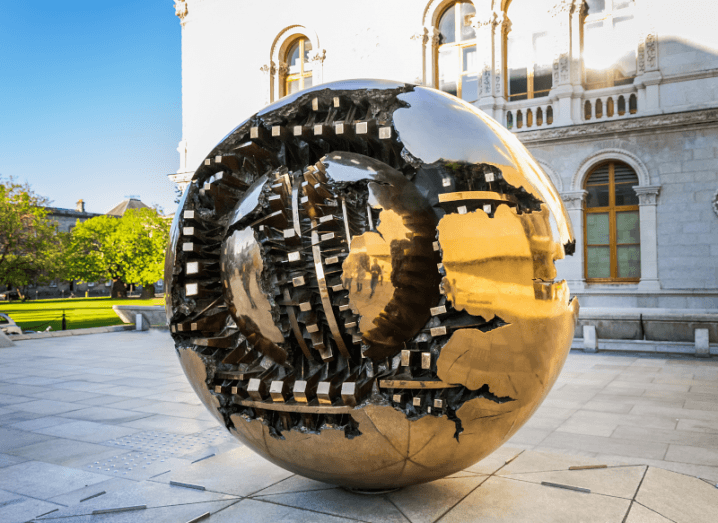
(118, 290)
(148, 291)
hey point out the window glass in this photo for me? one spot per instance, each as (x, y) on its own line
(597, 196)
(448, 70)
(629, 261)
(447, 26)
(307, 82)
(294, 62)
(467, 10)
(469, 58)
(610, 45)
(597, 232)
(596, 6)
(627, 230)
(470, 88)
(598, 262)
(529, 51)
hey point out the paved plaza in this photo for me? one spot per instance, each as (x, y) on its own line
(95, 423)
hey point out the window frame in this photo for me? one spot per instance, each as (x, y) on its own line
(302, 74)
(530, 72)
(611, 209)
(459, 45)
(607, 19)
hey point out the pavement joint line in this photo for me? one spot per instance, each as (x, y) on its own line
(201, 459)
(93, 496)
(46, 513)
(567, 487)
(311, 510)
(186, 485)
(165, 472)
(587, 467)
(293, 492)
(655, 511)
(199, 518)
(121, 509)
(386, 497)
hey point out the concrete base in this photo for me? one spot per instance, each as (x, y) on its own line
(153, 315)
(5, 341)
(658, 347)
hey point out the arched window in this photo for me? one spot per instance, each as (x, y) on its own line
(299, 75)
(457, 66)
(609, 43)
(612, 227)
(529, 51)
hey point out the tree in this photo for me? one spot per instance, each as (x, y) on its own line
(144, 234)
(94, 253)
(30, 246)
(129, 250)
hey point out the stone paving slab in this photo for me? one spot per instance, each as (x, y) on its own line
(114, 413)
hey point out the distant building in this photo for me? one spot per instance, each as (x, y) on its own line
(616, 99)
(67, 218)
(121, 208)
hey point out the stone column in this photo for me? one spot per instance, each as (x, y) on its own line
(269, 71)
(490, 30)
(422, 37)
(647, 201)
(431, 52)
(648, 75)
(574, 273)
(318, 66)
(567, 89)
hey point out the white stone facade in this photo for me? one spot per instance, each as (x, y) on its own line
(233, 64)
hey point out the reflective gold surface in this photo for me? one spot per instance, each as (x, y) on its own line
(372, 304)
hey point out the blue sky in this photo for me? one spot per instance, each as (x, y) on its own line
(90, 99)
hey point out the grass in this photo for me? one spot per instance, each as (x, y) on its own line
(80, 313)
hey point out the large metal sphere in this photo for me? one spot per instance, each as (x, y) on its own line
(361, 284)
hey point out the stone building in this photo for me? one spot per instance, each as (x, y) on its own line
(616, 99)
(67, 218)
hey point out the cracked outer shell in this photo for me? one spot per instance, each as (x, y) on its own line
(495, 332)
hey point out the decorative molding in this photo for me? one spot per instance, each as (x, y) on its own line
(591, 131)
(270, 68)
(181, 11)
(715, 203)
(574, 199)
(319, 56)
(563, 66)
(651, 51)
(621, 155)
(555, 179)
(283, 69)
(422, 35)
(647, 194)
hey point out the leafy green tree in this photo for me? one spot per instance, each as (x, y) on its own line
(128, 250)
(143, 234)
(30, 246)
(94, 253)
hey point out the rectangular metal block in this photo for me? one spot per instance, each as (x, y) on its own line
(298, 281)
(405, 358)
(487, 208)
(438, 403)
(191, 289)
(438, 331)
(256, 389)
(441, 309)
(300, 391)
(426, 360)
(416, 401)
(331, 260)
(489, 177)
(323, 393)
(294, 256)
(297, 130)
(385, 133)
(461, 209)
(435, 245)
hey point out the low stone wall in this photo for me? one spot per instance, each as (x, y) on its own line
(677, 325)
(153, 315)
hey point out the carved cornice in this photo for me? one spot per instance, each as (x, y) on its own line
(181, 11)
(574, 199)
(658, 123)
(270, 68)
(319, 56)
(647, 194)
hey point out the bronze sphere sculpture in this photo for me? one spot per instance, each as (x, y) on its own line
(361, 284)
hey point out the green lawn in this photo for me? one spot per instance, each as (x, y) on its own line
(80, 313)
